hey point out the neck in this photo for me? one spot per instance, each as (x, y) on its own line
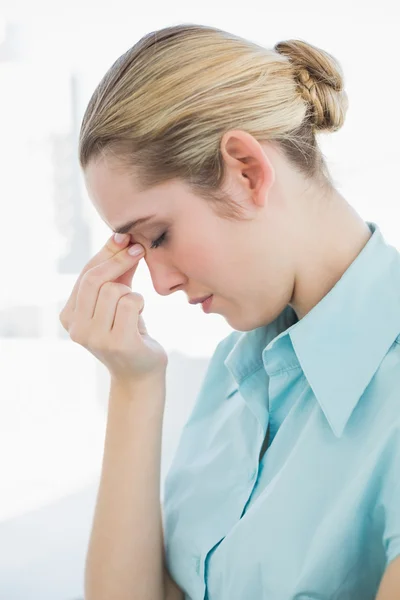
(330, 239)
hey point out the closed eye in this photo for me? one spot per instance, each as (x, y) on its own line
(161, 240)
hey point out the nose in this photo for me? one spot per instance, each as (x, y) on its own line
(165, 278)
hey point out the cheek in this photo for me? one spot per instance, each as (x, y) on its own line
(197, 263)
(197, 258)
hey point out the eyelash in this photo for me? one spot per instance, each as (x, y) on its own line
(158, 242)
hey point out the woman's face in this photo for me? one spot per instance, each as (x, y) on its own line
(189, 248)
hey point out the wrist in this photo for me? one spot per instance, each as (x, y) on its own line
(139, 384)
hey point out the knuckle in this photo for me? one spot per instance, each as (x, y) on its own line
(132, 299)
(78, 332)
(95, 276)
(75, 334)
(138, 297)
(62, 320)
(90, 278)
(107, 288)
(125, 303)
(65, 315)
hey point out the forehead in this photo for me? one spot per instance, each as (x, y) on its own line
(117, 199)
(108, 186)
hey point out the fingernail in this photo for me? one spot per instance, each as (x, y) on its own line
(120, 238)
(135, 250)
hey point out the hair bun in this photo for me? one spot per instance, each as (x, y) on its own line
(320, 81)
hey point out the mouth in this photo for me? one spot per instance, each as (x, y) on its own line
(199, 300)
(206, 304)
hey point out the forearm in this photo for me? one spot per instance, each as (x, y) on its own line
(125, 554)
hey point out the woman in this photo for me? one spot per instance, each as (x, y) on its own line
(285, 483)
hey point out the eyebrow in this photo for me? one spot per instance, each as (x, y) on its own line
(132, 224)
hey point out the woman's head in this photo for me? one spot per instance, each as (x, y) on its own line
(216, 136)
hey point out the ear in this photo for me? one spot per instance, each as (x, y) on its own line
(248, 164)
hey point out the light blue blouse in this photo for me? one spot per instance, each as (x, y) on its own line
(319, 517)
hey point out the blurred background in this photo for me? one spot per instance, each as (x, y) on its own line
(53, 393)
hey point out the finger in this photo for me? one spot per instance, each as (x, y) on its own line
(92, 281)
(126, 278)
(107, 251)
(128, 318)
(104, 313)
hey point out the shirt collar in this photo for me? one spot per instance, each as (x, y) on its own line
(341, 342)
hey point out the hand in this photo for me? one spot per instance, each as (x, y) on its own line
(104, 315)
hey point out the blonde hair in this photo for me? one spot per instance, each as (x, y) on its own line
(163, 106)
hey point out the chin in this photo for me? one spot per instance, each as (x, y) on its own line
(245, 323)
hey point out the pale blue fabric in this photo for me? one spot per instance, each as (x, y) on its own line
(319, 517)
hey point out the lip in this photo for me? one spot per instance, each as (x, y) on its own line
(199, 300)
(206, 305)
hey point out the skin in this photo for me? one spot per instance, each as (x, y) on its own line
(296, 243)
